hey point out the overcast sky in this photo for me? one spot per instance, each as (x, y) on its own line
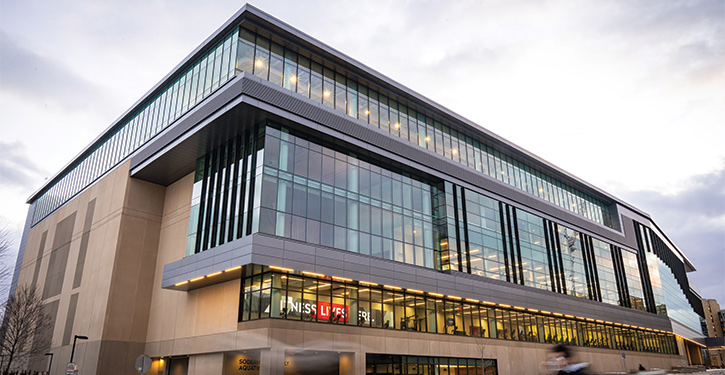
(627, 95)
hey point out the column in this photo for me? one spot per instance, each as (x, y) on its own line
(271, 361)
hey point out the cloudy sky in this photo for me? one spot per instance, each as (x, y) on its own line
(628, 95)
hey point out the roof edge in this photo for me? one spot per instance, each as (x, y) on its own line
(225, 27)
(249, 9)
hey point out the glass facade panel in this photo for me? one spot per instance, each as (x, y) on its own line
(484, 236)
(605, 270)
(276, 65)
(533, 250)
(303, 75)
(634, 281)
(572, 262)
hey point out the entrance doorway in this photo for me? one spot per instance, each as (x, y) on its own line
(310, 362)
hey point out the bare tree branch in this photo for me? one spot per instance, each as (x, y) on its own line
(25, 326)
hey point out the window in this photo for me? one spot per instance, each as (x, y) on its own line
(281, 295)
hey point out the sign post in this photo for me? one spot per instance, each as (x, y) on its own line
(624, 362)
(143, 363)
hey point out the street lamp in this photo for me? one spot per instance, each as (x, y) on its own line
(74, 345)
(51, 361)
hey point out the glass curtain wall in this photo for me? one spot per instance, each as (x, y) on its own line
(189, 88)
(324, 83)
(502, 242)
(327, 196)
(673, 302)
(668, 294)
(267, 293)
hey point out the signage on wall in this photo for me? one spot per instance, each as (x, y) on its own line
(320, 310)
(246, 364)
(241, 363)
(310, 309)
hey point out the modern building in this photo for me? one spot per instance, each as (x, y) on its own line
(713, 323)
(273, 206)
(712, 317)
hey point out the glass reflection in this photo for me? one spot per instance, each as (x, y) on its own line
(316, 194)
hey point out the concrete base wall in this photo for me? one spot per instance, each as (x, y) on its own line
(273, 338)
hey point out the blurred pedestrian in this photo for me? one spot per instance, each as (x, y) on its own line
(561, 362)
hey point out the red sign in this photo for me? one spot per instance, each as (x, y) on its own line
(338, 312)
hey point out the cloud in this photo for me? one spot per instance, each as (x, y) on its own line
(37, 78)
(694, 219)
(686, 37)
(17, 170)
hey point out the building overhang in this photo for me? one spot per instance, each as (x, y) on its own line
(220, 264)
(715, 342)
(687, 333)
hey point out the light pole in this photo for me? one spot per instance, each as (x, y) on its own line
(73, 351)
(50, 364)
